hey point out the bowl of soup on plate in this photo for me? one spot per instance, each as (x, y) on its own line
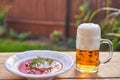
(39, 64)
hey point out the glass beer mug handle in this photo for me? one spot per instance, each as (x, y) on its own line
(106, 41)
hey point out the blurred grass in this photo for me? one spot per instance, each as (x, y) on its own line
(8, 45)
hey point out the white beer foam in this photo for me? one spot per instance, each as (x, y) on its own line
(88, 36)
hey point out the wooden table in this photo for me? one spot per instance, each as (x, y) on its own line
(109, 71)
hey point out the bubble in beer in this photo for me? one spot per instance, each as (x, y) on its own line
(88, 36)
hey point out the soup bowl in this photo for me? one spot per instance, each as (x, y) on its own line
(12, 63)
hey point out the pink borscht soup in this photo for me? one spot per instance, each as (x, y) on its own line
(40, 66)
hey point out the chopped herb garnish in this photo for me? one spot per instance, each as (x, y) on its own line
(40, 61)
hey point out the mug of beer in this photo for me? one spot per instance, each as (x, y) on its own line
(88, 42)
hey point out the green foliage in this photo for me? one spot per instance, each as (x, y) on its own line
(14, 35)
(56, 36)
(111, 30)
(116, 12)
(23, 36)
(9, 45)
(2, 31)
(3, 12)
(83, 14)
(71, 43)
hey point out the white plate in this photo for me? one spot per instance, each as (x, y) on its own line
(12, 61)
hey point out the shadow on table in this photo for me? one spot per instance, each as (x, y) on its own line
(87, 76)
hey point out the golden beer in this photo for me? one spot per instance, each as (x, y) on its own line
(87, 61)
(88, 41)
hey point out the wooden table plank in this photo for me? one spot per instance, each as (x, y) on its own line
(110, 70)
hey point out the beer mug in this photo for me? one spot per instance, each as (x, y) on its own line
(88, 42)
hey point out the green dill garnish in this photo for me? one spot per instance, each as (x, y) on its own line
(49, 61)
(38, 61)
